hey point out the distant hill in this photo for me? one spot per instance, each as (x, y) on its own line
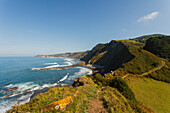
(159, 46)
(76, 55)
(124, 84)
(143, 39)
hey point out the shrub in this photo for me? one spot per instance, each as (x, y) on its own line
(122, 86)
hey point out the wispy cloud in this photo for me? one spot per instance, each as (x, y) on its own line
(151, 16)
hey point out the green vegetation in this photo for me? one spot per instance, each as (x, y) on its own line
(94, 52)
(153, 94)
(132, 42)
(143, 39)
(123, 57)
(77, 55)
(118, 83)
(107, 91)
(162, 74)
(159, 46)
(91, 98)
(113, 99)
(109, 56)
(143, 62)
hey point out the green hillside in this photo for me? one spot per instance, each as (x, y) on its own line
(159, 46)
(151, 93)
(132, 79)
(143, 39)
(123, 57)
(91, 98)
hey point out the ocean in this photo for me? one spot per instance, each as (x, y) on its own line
(18, 73)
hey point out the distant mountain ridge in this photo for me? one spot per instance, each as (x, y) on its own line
(76, 55)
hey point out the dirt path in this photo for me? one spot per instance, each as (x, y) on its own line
(146, 73)
(96, 105)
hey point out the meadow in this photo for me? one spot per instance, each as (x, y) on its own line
(151, 93)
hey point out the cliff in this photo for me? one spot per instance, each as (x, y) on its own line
(131, 79)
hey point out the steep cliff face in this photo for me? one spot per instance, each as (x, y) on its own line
(111, 55)
(94, 52)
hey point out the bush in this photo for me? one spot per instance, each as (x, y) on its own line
(118, 83)
(122, 86)
(159, 46)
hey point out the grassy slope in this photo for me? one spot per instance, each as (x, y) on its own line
(147, 91)
(160, 46)
(162, 74)
(90, 99)
(143, 61)
(153, 94)
(143, 39)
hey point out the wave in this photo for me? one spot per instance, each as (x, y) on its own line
(26, 86)
(67, 62)
(52, 66)
(83, 71)
(30, 86)
(9, 85)
(50, 63)
(64, 78)
(6, 104)
(50, 85)
(25, 97)
(21, 88)
(70, 61)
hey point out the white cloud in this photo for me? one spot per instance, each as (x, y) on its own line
(149, 16)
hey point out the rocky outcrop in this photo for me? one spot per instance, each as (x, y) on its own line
(11, 89)
(111, 55)
(65, 67)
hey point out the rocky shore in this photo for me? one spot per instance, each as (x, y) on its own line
(94, 69)
(65, 67)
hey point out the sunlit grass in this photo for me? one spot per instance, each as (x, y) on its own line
(153, 94)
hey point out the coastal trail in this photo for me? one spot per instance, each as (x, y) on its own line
(146, 73)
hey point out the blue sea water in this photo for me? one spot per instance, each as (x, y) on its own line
(19, 72)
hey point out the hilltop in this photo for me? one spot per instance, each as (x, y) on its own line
(75, 55)
(133, 71)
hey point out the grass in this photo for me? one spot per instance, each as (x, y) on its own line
(162, 74)
(114, 101)
(143, 62)
(153, 94)
(132, 42)
(91, 98)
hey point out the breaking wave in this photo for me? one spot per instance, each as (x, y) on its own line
(83, 71)
(67, 62)
(25, 90)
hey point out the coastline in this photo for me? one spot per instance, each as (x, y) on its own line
(45, 89)
(94, 68)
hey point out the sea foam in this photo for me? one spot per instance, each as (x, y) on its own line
(83, 71)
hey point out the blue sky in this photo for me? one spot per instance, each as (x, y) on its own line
(31, 27)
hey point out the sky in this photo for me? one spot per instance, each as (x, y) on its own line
(31, 27)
